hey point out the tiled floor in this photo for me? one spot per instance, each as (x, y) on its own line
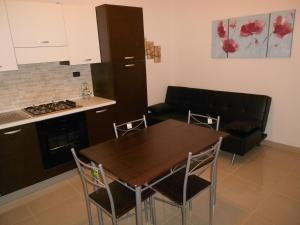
(261, 188)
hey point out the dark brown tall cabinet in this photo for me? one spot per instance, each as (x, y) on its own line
(122, 73)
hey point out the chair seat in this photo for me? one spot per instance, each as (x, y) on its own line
(124, 198)
(172, 187)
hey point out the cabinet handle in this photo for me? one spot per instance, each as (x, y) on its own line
(129, 57)
(43, 42)
(87, 60)
(13, 132)
(0, 66)
(129, 65)
(101, 111)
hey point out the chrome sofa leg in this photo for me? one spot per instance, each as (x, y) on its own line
(232, 159)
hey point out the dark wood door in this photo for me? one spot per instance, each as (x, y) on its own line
(126, 32)
(20, 160)
(100, 124)
(131, 90)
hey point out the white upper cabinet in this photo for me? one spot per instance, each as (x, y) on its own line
(82, 33)
(36, 23)
(7, 54)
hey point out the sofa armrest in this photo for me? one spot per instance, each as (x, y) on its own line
(160, 108)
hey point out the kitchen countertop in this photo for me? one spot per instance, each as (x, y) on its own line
(84, 105)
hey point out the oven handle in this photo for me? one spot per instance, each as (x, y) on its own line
(101, 111)
(58, 147)
(13, 132)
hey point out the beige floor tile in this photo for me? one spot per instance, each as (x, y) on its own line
(242, 192)
(76, 182)
(164, 212)
(290, 185)
(30, 221)
(70, 212)
(226, 212)
(264, 171)
(257, 220)
(53, 197)
(279, 209)
(15, 215)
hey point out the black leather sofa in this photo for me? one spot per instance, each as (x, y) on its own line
(243, 116)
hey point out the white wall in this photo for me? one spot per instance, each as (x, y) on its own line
(193, 66)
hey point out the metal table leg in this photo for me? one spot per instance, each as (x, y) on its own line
(138, 208)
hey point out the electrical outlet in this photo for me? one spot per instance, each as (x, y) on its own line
(76, 74)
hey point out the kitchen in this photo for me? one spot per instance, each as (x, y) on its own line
(55, 67)
(63, 96)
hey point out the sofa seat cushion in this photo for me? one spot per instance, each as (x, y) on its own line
(161, 108)
(241, 127)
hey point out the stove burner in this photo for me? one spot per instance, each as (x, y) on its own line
(50, 107)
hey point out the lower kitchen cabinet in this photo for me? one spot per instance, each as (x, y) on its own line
(100, 124)
(20, 161)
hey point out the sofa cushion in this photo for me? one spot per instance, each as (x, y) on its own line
(161, 108)
(242, 127)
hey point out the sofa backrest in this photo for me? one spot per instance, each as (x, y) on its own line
(230, 106)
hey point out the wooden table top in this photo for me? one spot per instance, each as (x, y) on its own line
(139, 158)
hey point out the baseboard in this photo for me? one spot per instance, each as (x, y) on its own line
(36, 187)
(281, 146)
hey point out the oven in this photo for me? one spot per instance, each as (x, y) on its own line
(58, 135)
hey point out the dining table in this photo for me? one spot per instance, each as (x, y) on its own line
(142, 159)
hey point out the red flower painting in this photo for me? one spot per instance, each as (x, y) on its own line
(251, 28)
(230, 46)
(281, 27)
(221, 30)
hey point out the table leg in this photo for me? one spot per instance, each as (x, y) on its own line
(138, 208)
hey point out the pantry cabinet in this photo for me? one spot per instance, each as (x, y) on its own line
(82, 33)
(122, 73)
(7, 56)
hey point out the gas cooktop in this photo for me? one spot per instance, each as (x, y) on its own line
(50, 107)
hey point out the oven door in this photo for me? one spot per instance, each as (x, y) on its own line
(57, 136)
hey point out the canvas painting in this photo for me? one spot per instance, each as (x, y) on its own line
(258, 36)
(220, 34)
(281, 33)
(250, 35)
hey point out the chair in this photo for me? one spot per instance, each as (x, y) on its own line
(203, 120)
(184, 185)
(130, 127)
(113, 198)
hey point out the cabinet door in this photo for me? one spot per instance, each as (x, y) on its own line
(7, 56)
(131, 90)
(36, 24)
(20, 161)
(126, 30)
(82, 33)
(100, 124)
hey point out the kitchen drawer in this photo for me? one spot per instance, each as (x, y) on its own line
(100, 124)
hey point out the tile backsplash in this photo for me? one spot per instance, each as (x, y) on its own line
(39, 83)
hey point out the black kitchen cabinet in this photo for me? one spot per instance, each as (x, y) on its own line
(122, 73)
(100, 124)
(20, 160)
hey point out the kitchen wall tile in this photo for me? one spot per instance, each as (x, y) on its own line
(39, 83)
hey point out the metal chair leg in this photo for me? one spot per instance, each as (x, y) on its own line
(190, 205)
(211, 205)
(232, 159)
(183, 215)
(100, 216)
(89, 212)
(152, 210)
(146, 204)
